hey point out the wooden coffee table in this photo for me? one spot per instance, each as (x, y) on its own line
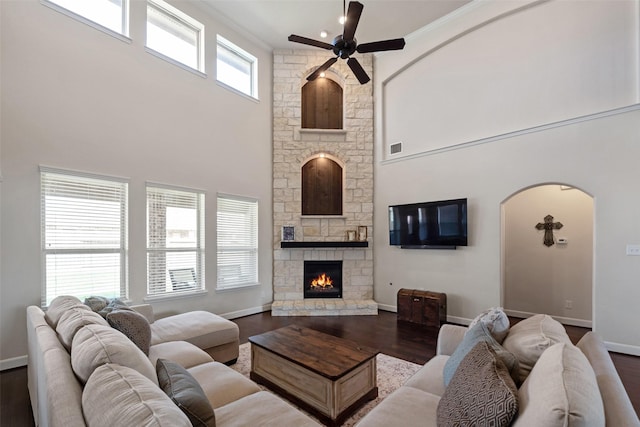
(330, 377)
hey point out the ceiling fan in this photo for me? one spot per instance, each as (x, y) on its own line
(344, 45)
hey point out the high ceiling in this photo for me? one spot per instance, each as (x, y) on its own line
(273, 21)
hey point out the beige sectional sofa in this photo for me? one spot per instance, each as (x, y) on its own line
(558, 384)
(83, 372)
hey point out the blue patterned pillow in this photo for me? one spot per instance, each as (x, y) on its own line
(478, 333)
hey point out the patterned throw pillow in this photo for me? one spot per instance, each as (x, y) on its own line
(185, 392)
(497, 322)
(481, 393)
(134, 325)
(478, 333)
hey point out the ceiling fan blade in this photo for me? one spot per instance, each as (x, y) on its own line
(310, 42)
(322, 68)
(358, 71)
(353, 16)
(394, 44)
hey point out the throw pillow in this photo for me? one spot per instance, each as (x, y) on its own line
(562, 390)
(530, 337)
(497, 322)
(119, 396)
(481, 393)
(96, 303)
(114, 304)
(478, 333)
(134, 325)
(185, 392)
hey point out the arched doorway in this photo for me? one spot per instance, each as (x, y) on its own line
(547, 264)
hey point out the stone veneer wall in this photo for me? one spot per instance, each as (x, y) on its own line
(352, 148)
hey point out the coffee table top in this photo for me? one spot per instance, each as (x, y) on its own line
(324, 354)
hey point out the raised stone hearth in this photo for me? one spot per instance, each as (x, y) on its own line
(352, 149)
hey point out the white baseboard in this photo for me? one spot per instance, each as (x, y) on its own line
(387, 307)
(14, 362)
(247, 312)
(633, 350)
(459, 320)
(564, 320)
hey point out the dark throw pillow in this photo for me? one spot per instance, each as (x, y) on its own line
(481, 392)
(185, 392)
(134, 325)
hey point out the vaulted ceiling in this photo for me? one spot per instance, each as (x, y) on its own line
(272, 21)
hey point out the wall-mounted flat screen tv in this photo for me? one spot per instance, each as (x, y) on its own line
(429, 224)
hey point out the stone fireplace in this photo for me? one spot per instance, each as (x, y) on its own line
(322, 237)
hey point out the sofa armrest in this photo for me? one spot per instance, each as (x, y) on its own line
(146, 310)
(449, 337)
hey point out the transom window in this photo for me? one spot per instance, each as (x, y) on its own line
(84, 235)
(237, 241)
(175, 34)
(237, 68)
(175, 240)
(110, 14)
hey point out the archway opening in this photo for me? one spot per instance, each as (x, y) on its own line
(547, 256)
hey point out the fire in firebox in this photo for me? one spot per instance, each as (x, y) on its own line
(322, 282)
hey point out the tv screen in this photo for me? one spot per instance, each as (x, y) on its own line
(429, 224)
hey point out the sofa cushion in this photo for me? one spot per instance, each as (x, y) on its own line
(181, 352)
(72, 320)
(530, 337)
(429, 377)
(473, 336)
(185, 392)
(497, 322)
(221, 384)
(481, 392)
(200, 328)
(133, 325)
(59, 306)
(119, 396)
(96, 345)
(407, 406)
(561, 390)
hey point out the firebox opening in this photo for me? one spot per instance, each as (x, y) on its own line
(323, 279)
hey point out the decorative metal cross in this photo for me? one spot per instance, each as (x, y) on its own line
(548, 226)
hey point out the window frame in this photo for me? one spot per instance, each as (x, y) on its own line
(224, 43)
(123, 232)
(184, 19)
(122, 35)
(253, 204)
(199, 249)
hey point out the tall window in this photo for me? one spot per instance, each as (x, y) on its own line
(111, 14)
(175, 240)
(84, 235)
(237, 242)
(175, 34)
(237, 68)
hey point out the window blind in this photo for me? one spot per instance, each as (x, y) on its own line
(84, 235)
(175, 240)
(237, 238)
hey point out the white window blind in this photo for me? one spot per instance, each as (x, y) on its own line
(175, 240)
(111, 14)
(236, 68)
(84, 235)
(175, 34)
(237, 242)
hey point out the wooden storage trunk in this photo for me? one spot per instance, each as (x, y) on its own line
(422, 307)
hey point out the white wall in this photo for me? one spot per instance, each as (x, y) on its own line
(74, 97)
(474, 152)
(540, 278)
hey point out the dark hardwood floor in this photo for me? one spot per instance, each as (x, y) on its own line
(383, 332)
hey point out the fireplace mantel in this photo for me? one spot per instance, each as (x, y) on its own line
(324, 244)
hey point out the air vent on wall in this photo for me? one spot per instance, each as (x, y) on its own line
(395, 148)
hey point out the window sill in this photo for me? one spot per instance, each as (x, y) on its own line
(174, 296)
(175, 62)
(238, 287)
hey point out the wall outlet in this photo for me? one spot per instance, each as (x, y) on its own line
(633, 250)
(568, 304)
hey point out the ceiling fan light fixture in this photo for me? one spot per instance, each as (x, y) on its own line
(342, 20)
(324, 34)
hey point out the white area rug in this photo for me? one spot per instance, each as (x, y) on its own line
(392, 373)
